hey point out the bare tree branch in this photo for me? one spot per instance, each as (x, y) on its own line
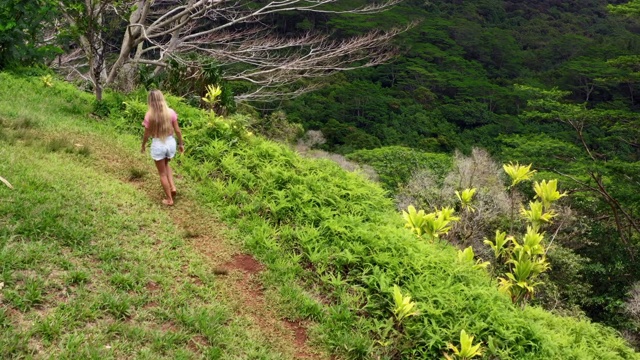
(234, 34)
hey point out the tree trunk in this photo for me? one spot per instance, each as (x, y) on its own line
(132, 37)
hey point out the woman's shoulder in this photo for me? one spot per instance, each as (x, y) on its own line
(145, 122)
(174, 114)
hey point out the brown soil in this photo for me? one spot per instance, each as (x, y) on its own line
(196, 343)
(243, 262)
(152, 286)
(300, 332)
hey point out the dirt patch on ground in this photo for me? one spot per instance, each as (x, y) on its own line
(196, 343)
(150, 305)
(152, 286)
(301, 337)
(243, 262)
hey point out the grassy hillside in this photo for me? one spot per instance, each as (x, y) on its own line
(93, 267)
(332, 243)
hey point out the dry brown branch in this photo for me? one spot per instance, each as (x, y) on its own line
(231, 33)
(6, 182)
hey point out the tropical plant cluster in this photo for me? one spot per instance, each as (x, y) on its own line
(553, 84)
(336, 241)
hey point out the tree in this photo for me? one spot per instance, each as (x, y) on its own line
(21, 37)
(233, 33)
(602, 135)
(630, 8)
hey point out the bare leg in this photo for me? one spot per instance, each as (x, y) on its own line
(164, 180)
(172, 185)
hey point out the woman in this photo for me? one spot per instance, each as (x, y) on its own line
(161, 124)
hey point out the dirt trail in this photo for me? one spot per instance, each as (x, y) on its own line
(237, 272)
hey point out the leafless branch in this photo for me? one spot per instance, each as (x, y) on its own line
(232, 32)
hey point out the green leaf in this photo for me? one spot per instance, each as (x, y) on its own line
(518, 173)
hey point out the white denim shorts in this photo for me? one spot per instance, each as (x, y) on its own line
(163, 149)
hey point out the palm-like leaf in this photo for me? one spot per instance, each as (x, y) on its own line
(404, 307)
(518, 173)
(535, 214)
(439, 223)
(466, 197)
(532, 242)
(415, 220)
(498, 245)
(467, 349)
(432, 224)
(213, 92)
(547, 192)
(467, 256)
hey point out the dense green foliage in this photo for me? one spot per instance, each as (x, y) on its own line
(337, 237)
(90, 266)
(395, 164)
(454, 86)
(551, 83)
(21, 37)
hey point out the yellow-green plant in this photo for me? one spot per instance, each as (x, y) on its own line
(212, 95)
(547, 192)
(466, 197)
(525, 260)
(520, 283)
(446, 213)
(403, 306)
(531, 243)
(47, 80)
(6, 182)
(431, 225)
(500, 245)
(518, 173)
(526, 263)
(414, 220)
(536, 215)
(467, 349)
(467, 256)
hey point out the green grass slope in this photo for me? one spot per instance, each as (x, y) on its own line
(90, 266)
(333, 244)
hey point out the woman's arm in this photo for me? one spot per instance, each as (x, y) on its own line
(145, 137)
(176, 129)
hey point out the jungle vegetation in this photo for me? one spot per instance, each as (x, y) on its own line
(472, 86)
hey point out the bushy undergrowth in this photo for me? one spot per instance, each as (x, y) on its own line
(396, 164)
(338, 237)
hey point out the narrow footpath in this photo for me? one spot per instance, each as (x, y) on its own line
(238, 273)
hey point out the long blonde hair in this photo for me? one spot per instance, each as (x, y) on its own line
(159, 116)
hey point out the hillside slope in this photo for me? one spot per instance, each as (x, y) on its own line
(92, 266)
(332, 244)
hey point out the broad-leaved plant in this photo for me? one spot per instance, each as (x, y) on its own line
(467, 349)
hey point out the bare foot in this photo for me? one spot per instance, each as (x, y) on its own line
(174, 192)
(167, 202)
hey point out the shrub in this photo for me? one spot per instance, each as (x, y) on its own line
(428, 190)
(332, 231)
(396, 165)
(276, 127)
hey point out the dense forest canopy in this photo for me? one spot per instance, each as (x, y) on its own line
(552, 83)
(481, 74)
